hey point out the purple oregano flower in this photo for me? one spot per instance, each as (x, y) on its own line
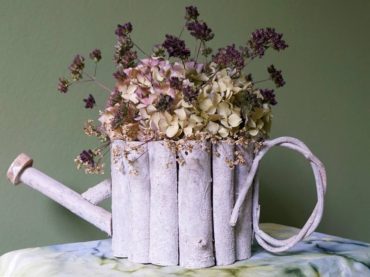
(87, 156)
(264, 38)
(269, 96)
(276, 76)
(63, 85)
(229, 57)
(89, 102)
(191, 13)
(76, 67)
(200, 30)
(176, 47)
(95, 55)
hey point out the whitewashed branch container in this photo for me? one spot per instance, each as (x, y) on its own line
(190, 208)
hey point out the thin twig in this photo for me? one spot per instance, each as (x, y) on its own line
(182, 30)
(200, 45)
(96, 66)
(261, 81)
(92, 78)
(141, 50)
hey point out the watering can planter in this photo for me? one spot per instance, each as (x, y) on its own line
(195, 213)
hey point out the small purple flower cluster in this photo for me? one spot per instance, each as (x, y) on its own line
(89, 102)
(95, 55)
(269, 96)
(264, 38)
(276, 76)
(63, 85)
(77, 66)
(124, 56)
(176, 47)
(200, 30)
(191, 13)
(87, 156)
(175, 83)
(77, 73)
(164, 103)
(229, 57)
(123, 30)
(190, 94)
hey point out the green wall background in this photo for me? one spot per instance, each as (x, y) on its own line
(325, 103)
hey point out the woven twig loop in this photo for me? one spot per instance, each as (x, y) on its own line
(266, 241)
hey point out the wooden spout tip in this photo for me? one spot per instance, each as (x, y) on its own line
(16, 168)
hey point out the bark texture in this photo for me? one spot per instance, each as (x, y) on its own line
(121, 226)
(266, 241)
(195, 208)
(243, 229)
(164, 230)
(99, 192)
(139, 187)
(223, 202)
(67, 198)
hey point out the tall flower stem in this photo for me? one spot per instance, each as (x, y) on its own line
(104, 87)
(200, 45)
(182, 30)
(261, 81)
(141, 50)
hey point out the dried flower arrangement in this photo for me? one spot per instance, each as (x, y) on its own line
(171, 95)
(186, 141)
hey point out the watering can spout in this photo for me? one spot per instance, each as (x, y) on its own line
(21, 170)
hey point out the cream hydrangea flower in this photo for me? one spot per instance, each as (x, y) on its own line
(259, 122)
(216, 107)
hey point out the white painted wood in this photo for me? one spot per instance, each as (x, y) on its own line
(223, 202)
(139, 186)
(243, 229)
(121, 237)
(18, 165)
(99, 192)
(195, 210)
(67, 198)
(269, 243)
(164, 247)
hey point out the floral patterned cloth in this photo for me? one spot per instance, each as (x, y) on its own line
(318, 255)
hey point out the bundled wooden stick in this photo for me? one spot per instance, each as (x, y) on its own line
(195, 208)
(164, 225)
(121, 237)
(139, 186)
(223, 202)
(243, 229)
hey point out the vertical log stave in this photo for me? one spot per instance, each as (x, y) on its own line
(243, 228)
(223, 203)
(164, 226)
(195, 208)
(120, 201)
(139, 187)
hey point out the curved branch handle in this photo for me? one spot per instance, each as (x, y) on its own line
(269, 243)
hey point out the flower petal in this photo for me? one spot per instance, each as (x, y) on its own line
(234, 120)
(172, 130)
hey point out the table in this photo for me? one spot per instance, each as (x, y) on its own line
(318, 255)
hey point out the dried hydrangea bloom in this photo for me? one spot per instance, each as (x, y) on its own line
(175, 100)
(216, 107)
(259, 121)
